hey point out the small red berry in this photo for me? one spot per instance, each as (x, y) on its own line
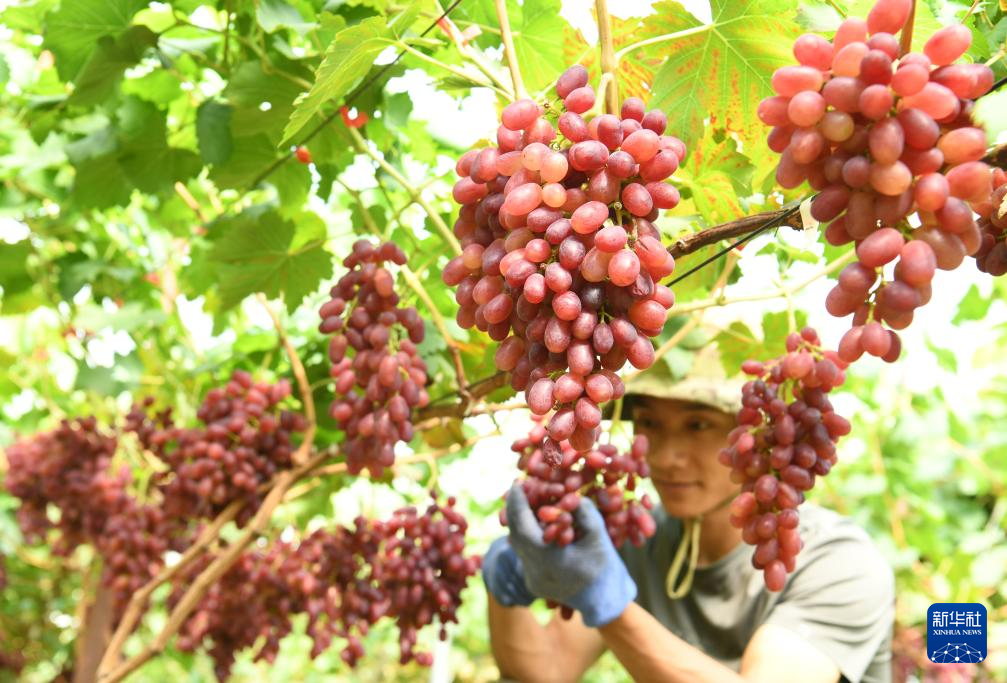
(353, 121)
(302, 154)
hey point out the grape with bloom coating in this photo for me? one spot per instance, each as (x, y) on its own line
(558, 242)
(889, 143)
(785, 439)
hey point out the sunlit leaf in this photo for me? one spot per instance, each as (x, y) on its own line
(73, 30)
(257, 254)
(722, 71)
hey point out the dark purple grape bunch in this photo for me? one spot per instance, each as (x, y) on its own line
(71, 469)
(786, 438)
(251, 603)
(884, 137)
(561, 261)
(992, 255)
(247, 439)
(423, 570)
(133, 544)
(377, 387)
(411, 568)
(558, 476)
(333, 571)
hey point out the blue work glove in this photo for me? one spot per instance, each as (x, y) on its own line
(504, 576)
(588, 575)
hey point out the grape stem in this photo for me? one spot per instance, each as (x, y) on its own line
(609, 63)
(307, 399)
(110, 671)
(416, 285)
(415, 194)
(906, 35)
(783, 291)
(138, 601)
(508, 43)
(661, 39)
(471, 54)
(422, 56)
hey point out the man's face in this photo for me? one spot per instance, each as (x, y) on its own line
(685, 439)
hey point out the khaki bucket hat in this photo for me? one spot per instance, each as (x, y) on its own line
(705, 383)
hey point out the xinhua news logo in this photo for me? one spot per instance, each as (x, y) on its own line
(956, 632)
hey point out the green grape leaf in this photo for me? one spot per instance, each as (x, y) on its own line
(775, 328)
(265, 254)
(974, 306)
(736, 344)
(26, 16)
(273, 15)
(247, 161)
(160, 87)
(213, 130)
(717, 174)
(104, 68)
(123, 375)
(130, 317)
(73, 30)
(14, 276)
(262, 102)
(538, 45)
(145, 156)
(292, 182)
(348, 58)
(100, 183)
(722, 72)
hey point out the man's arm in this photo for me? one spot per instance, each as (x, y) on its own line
(527, 651)
(650, 652)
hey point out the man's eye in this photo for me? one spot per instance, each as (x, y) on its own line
(646, 423)
(698, 425)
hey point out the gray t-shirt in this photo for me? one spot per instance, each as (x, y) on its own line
(840, 598)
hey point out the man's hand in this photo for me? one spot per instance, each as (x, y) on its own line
(587, 575)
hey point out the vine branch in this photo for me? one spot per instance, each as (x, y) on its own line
(609, 63)
(416, 195)
(454, 346)
(508, 43)
(736, 228)
(307, 399)
(906, 35)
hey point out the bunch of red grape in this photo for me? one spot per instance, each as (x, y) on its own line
(70, 469)
(561, 260)
(246, 441)
(410, 567)
(422, 569)
(12, 661)
(252, 600)
(786, 436)
(343, 558)
(883, 136)
(133, 544)
(385, 379)
(558, 476)
(992, 255)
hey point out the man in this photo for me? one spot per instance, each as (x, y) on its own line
(713, 621)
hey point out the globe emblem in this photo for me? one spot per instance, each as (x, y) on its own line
(961, 652)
